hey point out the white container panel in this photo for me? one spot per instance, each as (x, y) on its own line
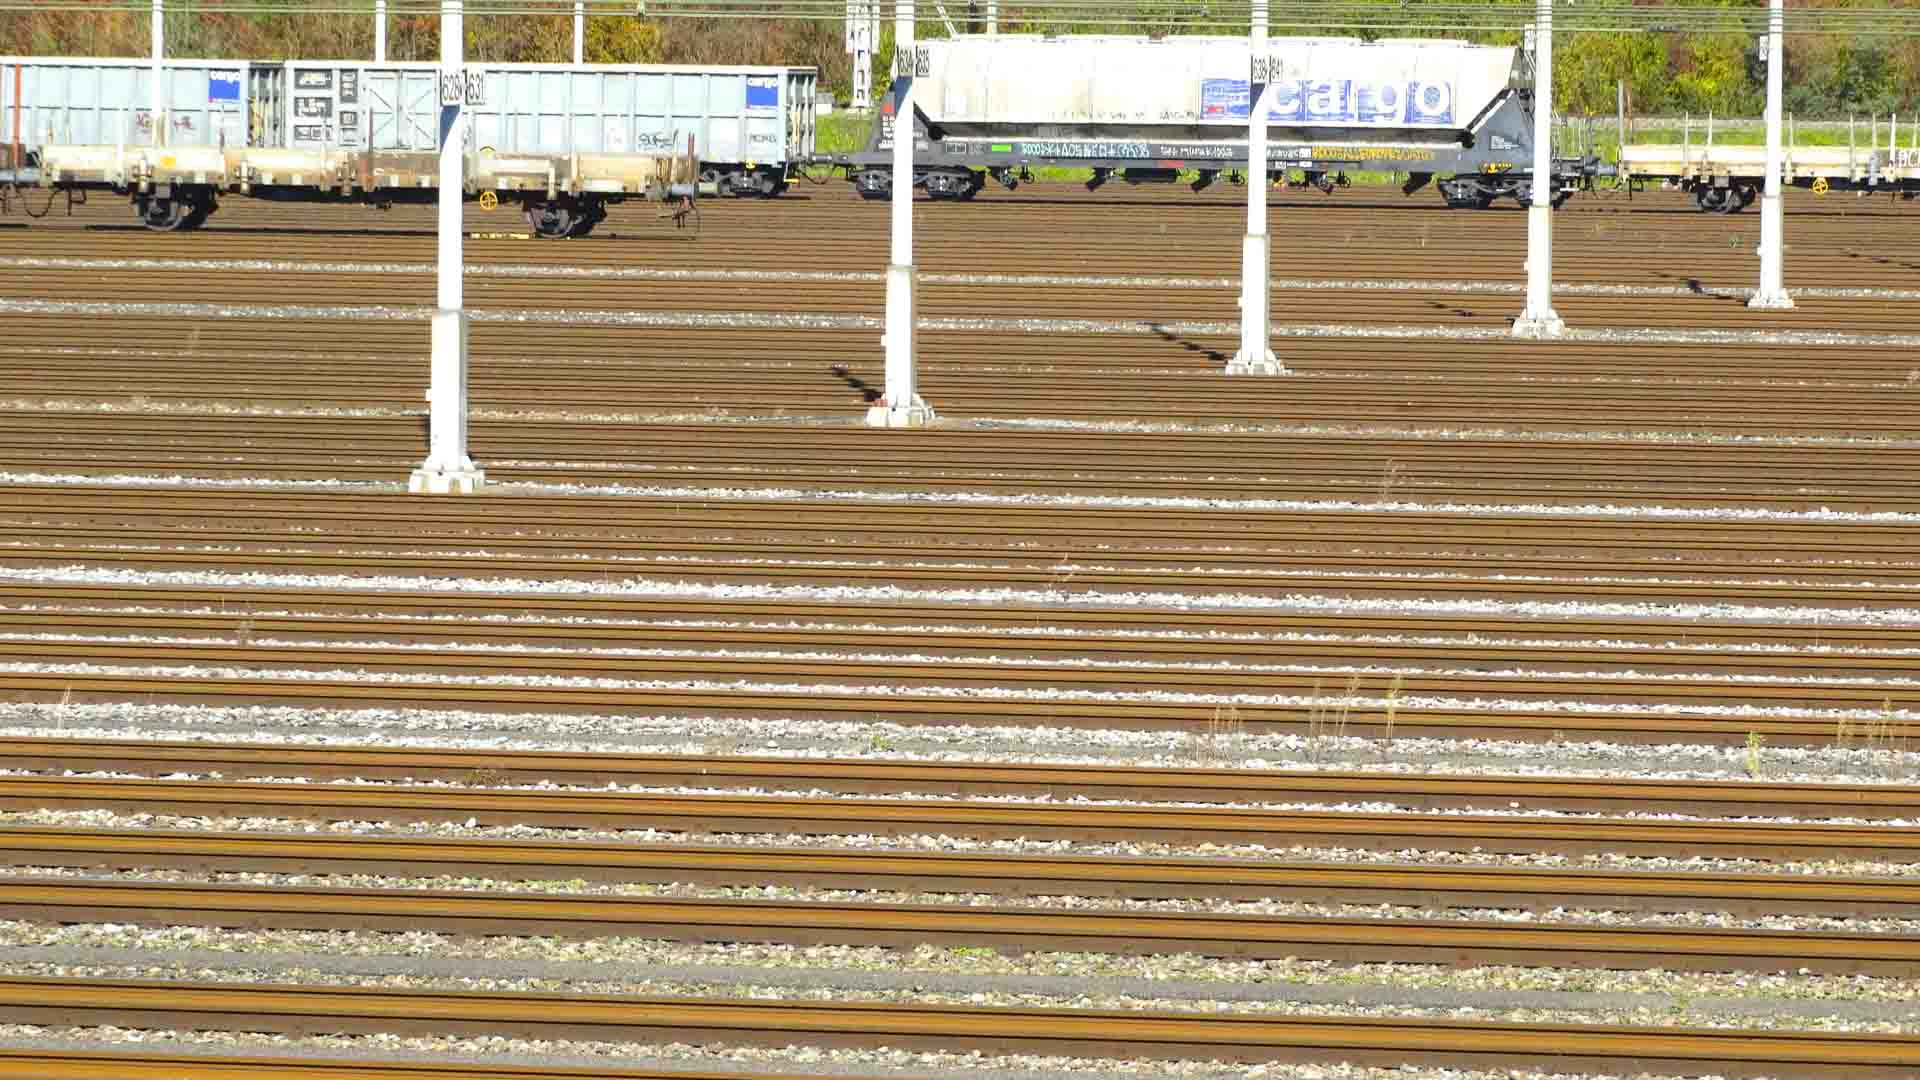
(105, 102)
(402, 107)
(1322, 82)
(733, 114)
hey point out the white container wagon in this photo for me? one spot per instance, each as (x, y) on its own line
(751, 126)
(1153, 109)
(562, 141)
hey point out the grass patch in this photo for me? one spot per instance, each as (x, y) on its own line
(842, 131)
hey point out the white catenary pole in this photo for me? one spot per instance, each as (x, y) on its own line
(1773, 289)
(860, 39)
(1539, 320)
(901, 406)
(379, 31)
(157, 100)
(579, 31)
(1256, 248)
(448, 469)
(993, 16)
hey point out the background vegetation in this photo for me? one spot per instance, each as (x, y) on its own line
(1829, 75)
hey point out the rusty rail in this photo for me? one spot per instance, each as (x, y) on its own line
(844, 816)
(1416, 885)
(1402, 941)
(134, 1065)
(1077, 1032)
(235, 761)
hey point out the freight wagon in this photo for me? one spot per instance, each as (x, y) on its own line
(1726, 179)
(1157, 109)
(561, 141)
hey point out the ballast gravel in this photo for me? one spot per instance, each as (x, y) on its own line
(1564, 916)
(1858, 754)
(788, 968)
(1091, 993)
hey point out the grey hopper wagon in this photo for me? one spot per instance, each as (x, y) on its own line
(1160, 109)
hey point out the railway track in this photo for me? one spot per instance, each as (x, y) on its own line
(1331, 302)
(1654, 237)
(291, 642)
(828, 816)
(1406, 885)
(1855, 478)
(1010, 930)
(589, 612)
(1475, 386)
(576, 393)
(1422, 792)
(1220, 1036)
(214, 671)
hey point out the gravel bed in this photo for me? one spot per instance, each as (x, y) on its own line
(801, 1061)
(1508, 810)
(1558, 916)
(961, 970)
(1885, 762)
(472, 830)
(1423, 1003)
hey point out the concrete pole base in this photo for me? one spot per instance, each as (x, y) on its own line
(446, 482)
(914, 414)
(1539, 325)
(1777, 301)
(1241, 364)
(1253, 357)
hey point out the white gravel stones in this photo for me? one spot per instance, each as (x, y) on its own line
(102, 819)
(638, 954)
(1422, 1002)
(885, 741)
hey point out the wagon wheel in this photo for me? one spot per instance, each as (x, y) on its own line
(550, 220)
(161, 215)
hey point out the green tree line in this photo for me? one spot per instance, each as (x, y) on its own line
(1829, 75)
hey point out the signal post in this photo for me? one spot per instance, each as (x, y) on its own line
(1256, 247)
(448, 470)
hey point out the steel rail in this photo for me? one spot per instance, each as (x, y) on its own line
(77, 449)
(1051, 541)
(299, 631)
(374, 642)
(503, 768)
(1414, 304)
(239, 604)
(845, 816)
(121, 505)
(1230, 566)
(1416, 886)
(1075, 1032)
(921, 679)
(1043, 578)
(1013, 930)
(16, 1064)
(984, 453)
